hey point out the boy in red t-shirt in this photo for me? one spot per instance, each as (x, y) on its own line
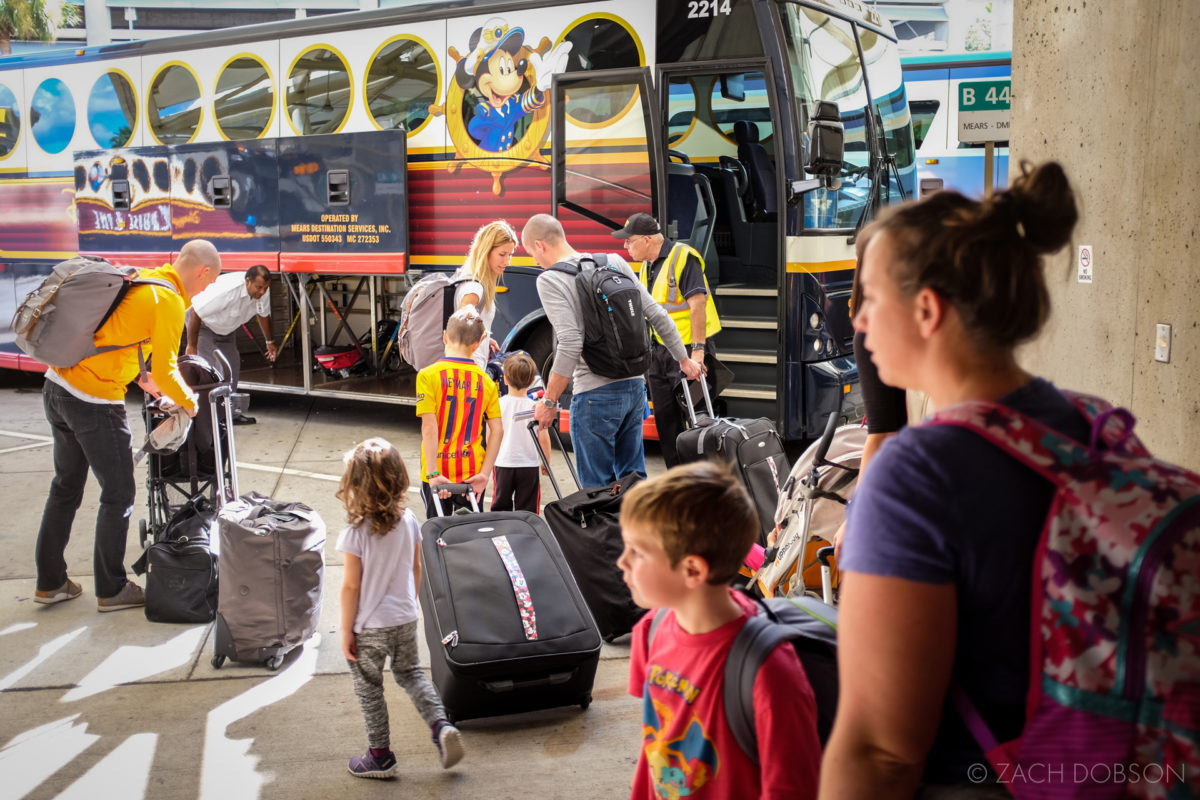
(686, 533)
(453, 398)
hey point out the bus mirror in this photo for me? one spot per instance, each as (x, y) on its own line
(826, 146)
(733, 87)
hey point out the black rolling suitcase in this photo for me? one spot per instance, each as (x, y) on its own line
(752, 447)
(506, 626)
(586, 527)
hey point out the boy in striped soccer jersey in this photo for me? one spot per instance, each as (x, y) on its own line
(454, 396)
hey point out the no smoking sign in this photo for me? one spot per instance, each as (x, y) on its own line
(1085, 263)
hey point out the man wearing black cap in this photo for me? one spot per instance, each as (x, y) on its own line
(682, 290)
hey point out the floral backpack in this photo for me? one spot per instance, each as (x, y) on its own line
(1114, 695)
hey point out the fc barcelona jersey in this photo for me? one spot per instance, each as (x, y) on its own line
(460, 395)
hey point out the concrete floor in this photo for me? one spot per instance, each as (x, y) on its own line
(111, 705)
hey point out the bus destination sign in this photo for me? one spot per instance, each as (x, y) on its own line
(983, 111)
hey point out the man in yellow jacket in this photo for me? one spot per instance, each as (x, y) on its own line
(674, 274)
(85, 405)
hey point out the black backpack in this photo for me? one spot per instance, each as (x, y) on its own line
(811, 627)
(616, 342)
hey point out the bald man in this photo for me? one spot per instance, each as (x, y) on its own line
(606, 414)
(85, 405)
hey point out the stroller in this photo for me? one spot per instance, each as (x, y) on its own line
(811, 506)
(193, 475)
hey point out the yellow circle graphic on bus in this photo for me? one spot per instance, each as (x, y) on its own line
(497, 102)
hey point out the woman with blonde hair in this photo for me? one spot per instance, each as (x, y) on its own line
(490, 253)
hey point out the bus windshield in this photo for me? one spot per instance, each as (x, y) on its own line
(825, 64)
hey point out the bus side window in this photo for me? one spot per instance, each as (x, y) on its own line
(923, 112)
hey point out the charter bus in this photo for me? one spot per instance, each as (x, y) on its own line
(350, 153)
(931, 82)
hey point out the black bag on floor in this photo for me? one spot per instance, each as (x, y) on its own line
(751, 447)
(586, 527)
(181, 569)
(506, 626)
(272, 563)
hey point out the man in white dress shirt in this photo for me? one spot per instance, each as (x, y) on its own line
(222, 308)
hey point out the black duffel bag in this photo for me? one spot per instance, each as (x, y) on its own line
(181, 568)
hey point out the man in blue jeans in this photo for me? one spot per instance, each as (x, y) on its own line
(606, 414)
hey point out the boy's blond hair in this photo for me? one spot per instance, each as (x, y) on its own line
(465, 328)
(697, 509)
(519, 371)
(374, 486)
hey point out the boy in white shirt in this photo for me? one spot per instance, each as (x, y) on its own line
(518, 481)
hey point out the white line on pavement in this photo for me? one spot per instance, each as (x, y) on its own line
(302, 473)
(37, 437)
(25, 447)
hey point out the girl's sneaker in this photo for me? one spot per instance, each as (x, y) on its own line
(370, 766)
(449, 743)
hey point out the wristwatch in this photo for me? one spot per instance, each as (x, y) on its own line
(548, 403)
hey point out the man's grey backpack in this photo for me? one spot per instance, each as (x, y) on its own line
(57, 322)
(423, 316)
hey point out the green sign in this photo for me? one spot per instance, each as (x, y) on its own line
(984, 95)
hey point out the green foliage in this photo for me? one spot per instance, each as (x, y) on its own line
(33, 20)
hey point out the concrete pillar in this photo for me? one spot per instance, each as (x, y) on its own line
(99, 25)
(1120, 115)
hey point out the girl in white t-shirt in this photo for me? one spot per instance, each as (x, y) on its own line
(518, 481)
(381, 547)
(490, 253)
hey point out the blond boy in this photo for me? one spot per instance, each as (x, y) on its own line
(454, 397)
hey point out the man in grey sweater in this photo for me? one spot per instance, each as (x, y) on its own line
(606, 414)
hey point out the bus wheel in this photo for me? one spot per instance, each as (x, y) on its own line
(540, 346)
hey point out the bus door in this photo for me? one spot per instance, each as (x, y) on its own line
(721, 184)
(604, 154)
(722, 196)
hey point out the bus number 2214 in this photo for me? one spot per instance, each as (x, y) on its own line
(707, 8)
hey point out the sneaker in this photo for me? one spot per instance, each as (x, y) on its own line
(449, 743)
(68, 591)
(130, 596)
(368, 766)
(242, 419)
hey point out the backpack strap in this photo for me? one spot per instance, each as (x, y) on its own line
(756, 640)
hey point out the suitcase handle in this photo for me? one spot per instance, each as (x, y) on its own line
(454, 489)
(545, 457)
(553, 679)
(687, 399)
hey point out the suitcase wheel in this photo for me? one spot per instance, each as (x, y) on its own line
(273, 663)
(217, 661)
(143, 533)
(587, 701)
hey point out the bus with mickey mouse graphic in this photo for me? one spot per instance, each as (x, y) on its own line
(351, 153)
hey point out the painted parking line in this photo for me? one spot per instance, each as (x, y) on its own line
(302, 473)
(40, 440)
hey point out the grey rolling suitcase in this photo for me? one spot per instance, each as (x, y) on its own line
(508, 630)
(272, 560)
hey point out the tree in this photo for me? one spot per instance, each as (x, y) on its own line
(33, 20)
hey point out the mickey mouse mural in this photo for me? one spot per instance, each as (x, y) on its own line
(496, 103)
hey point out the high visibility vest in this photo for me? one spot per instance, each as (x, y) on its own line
(666, 293)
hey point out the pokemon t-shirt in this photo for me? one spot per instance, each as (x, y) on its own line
(688, 749)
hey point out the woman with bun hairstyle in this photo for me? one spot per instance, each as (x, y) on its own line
(490, 254)
(938, 556)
